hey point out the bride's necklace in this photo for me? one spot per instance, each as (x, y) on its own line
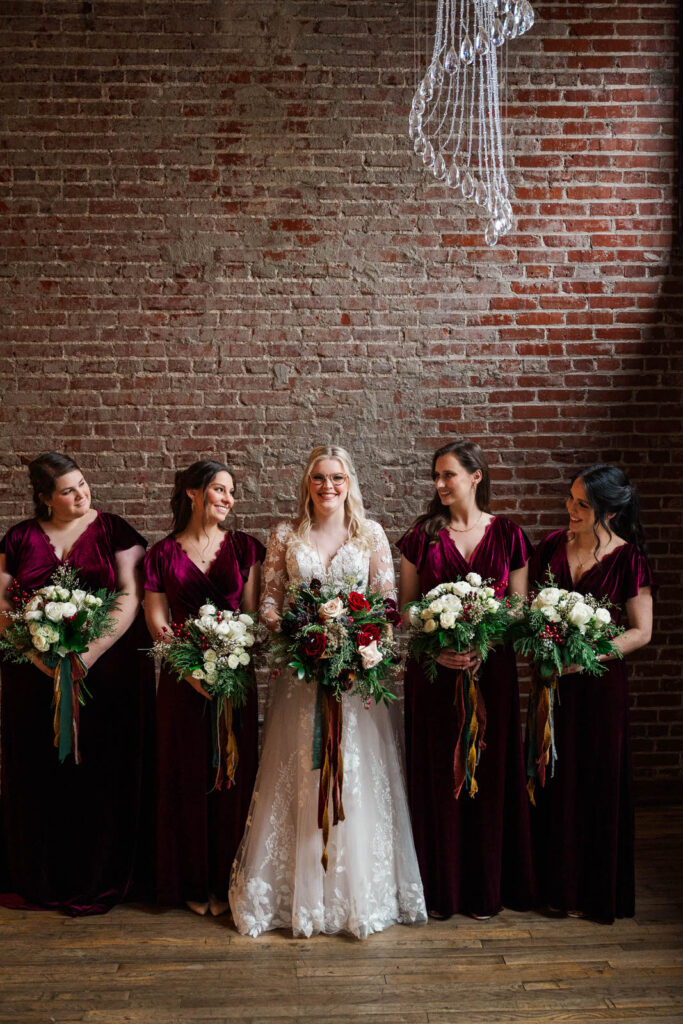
(469, 529)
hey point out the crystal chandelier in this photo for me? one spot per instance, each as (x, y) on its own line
(455, 119)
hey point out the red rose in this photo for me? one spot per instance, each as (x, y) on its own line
(358, 602)
(314, 645)
(367, 634)
(392, 612)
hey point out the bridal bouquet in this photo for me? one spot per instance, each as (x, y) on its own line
(60, 621)
(557, 628)
(343, 640)
(459, 616)
(214, 648)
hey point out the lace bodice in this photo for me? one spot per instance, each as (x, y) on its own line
(290, 560)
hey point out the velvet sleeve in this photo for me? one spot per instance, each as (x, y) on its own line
(541, 556)
(640, 575)
(10, 546)
(521, 548)
(153, 569)
(413, 545)
(248, 550)
(121, 534)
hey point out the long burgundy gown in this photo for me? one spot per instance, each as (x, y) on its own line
(198, 828)
(474, 852)
(583, 822)
(78, 837)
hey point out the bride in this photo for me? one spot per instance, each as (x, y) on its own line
(372, 880)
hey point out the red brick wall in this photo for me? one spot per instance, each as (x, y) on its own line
(215, 239)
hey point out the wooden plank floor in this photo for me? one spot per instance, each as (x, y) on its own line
(136, 965)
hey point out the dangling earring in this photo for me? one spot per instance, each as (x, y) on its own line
(49, 511)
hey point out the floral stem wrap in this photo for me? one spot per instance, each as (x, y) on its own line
(470, 731)
(332, 769)
(541, 731)
(67, 675)
(226, 754)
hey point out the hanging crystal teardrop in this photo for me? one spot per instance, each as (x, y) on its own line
(480, 194)
(428, 154)
(440, 168)
(467, 186)
(436, 73)
(509, 27)
(491, 234)
(497, 36)
(453, 177)
(426, 89)
(418, 105)
(466, 50)
(419, 144)
(482, 42)
(450, 61)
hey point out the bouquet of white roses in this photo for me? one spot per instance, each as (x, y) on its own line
(557, 628)
(460, 616)
(59, 622)
(215, 648)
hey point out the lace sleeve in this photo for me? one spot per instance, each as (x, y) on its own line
(274, 576)
(381, 574)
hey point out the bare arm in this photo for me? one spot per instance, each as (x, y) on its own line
(518, 581)
(250, 593)
(639, 615)
(408, 588)
(158, 617)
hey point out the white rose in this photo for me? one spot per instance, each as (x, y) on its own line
(492, 605)
(233, 661)
(549, 596)
(246, 619)
(414, 616)
(40, 643)
(210, 655)
(434, 592)
(219, 628)
(427, 614)
(63, 594)
(438, 606)
(580, 614)
(35, 604)
(48, 592)
(462, 588)
(33, 616)
(474, 578)
(54, 611)
(210, 667)
(370, 655)
(551, 614)
(237, 628)
(447, 620)
(33, 628)
(78, 597)
(333, 609)
(603, 616)
(248, 640)
(92, 601)
(244, 658)
(49, 633)
(69, 610)
(489, 592)
(198, 674)
(430, 626)
(207, 609)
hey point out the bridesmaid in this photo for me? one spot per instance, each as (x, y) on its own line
(474, 853)
(199, 827)
(75, 835)
(583, 820)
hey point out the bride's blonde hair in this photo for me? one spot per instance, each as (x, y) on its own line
(353, 504)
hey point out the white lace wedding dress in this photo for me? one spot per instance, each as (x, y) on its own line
(373, 879)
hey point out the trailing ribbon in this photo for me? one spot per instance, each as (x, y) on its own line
(226, 755)
(470, 731)
(541, 732)
(66, 679)
(332, 769)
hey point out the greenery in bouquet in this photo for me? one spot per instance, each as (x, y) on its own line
(215, 648)
(59, 622)
(462, 615)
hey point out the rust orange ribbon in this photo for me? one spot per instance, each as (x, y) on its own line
(470, 731)
(332, 769)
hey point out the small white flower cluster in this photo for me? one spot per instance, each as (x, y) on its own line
(51, 605)
(574, 609)
(229, 634)
(447, 603)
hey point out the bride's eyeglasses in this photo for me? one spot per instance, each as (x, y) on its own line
(337, 480)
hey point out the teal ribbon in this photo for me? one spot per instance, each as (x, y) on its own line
(318, 730)
(66, 708)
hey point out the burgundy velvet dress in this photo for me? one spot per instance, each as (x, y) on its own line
(583, 822)
(474, 852)
(198, 828)
(78, 837)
